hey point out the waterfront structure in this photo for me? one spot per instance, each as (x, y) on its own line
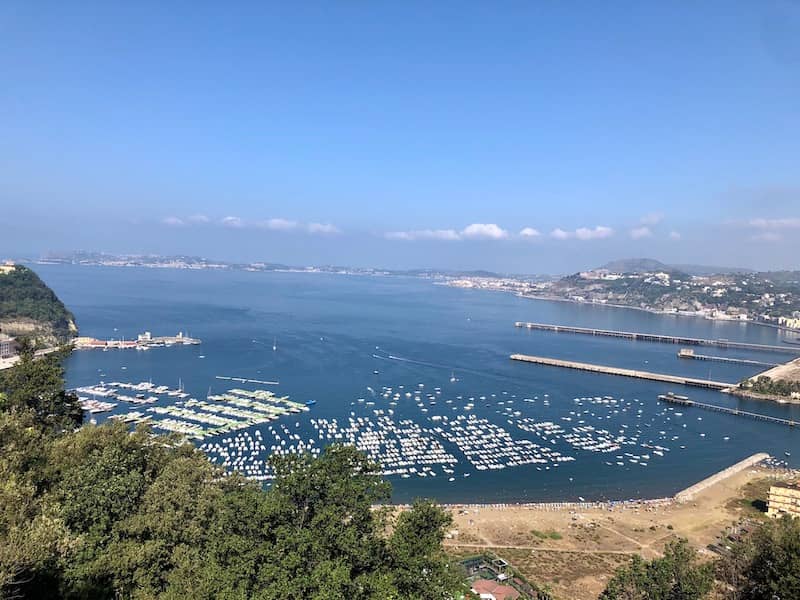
(789, 322)
(654, 337)
(784, 499)
(142, 342)
(570, 364)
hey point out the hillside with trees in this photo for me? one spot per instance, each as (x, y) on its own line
(29, 308)
(99, 513)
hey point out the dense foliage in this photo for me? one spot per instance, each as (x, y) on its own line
(766, 564)
(24, 296)
(766, 385)
(101, 513)
(675, 576)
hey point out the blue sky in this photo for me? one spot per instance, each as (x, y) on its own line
(521, 137)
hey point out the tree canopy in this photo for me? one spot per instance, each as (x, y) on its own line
(675, 576)
(102, 512)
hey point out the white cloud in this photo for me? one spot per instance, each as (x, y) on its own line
(641, 232)
(173, 221)
(787, 223)
(529, 232)
(278, 224)
(583, 233)
(767, 236)
(323, 228)
(674, 235)
(423, 234)
(198, 219)
(485, 231)
(652, 218)
(597, 233)
(232, 222)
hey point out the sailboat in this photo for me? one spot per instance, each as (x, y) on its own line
(274, 344)
(453, 377)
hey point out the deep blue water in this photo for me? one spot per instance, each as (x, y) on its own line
(328, 327)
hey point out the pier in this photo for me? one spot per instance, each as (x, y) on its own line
(690, 354)
(144, 341)
(243, 380)
(654, 337)
(684, 401)
(677, 379)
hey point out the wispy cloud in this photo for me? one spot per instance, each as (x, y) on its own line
(772, 229)
(674, 235)
(767, 236)
(785, 223)
(173, 221)
(273, 224)
(653, 218)
(322, 228)
(423, 234)
(278, 224)
(529, 232)
(598, 233)
(489, 231)
(485, 231)
(583, 233)
(638, 233)
(232, 222)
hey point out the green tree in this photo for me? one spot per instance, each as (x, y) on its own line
(420, 568)
(103, 513)
(37, 384)
(675, 576)
(774, 569)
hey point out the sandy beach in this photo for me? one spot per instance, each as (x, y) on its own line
(576, 549)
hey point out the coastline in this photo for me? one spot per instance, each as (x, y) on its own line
(653, 311)
(681, 496)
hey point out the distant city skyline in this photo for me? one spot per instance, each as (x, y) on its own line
(536, 139)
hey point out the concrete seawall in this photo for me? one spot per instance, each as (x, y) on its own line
(690, 492)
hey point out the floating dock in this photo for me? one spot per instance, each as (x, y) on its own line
(677, 379)
(243, 380)
(653, 337)
(684, 401)
(690, 354)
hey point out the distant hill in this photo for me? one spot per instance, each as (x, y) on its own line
(29, 308)
(647, 265)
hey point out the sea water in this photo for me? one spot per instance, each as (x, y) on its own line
(333, 332)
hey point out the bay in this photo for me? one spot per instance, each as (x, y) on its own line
(333, 332)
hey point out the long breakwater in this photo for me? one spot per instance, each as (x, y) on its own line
(653, 337)
(676, 379)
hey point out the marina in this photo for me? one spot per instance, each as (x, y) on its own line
(677, 379)
(664, 339)
(144, 341)
(175, 411)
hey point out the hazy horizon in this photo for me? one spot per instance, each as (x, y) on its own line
(536, 139)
